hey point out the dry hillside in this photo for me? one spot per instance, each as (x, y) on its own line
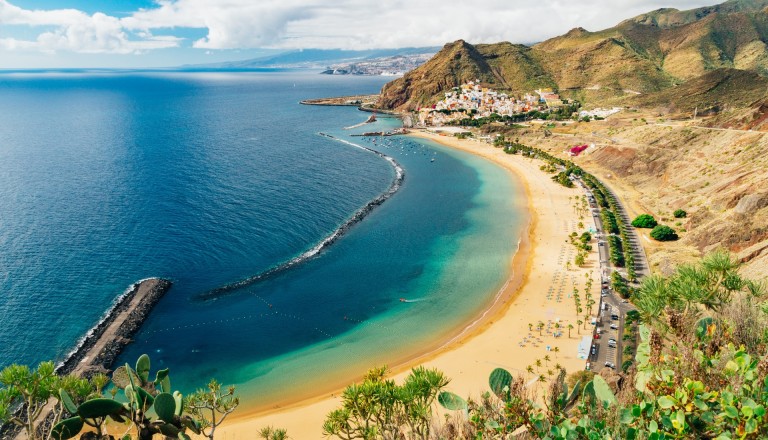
(719, 176)
(646, 54)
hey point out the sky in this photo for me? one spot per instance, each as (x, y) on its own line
(167, 33)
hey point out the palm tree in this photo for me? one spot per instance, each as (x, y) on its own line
(578, 326)
(530, 327)
(558, 367)
(529, 369)
(550, 373)
(538, 364)
(570, 327)
(546, 358)
(556, 350)
(542, 378)
(540, 327)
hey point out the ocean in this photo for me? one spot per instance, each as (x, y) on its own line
(212, 178)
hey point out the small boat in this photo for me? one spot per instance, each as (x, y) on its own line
(402, 300)
(432, 160)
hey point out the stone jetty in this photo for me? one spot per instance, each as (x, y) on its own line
(106, 341)
(99, 348)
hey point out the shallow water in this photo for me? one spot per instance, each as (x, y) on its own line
(211, 178)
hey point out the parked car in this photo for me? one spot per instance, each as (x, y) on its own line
(588, 367)
(615, 317)
(611, 341)
(596, 336)
(612, 344)
(610, 365)
(614, 326)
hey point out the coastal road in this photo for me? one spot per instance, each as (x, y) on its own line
(610, 303)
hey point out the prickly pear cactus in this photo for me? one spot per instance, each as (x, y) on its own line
(142, 368)
(500, 380)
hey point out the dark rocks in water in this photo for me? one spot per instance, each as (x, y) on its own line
(125, 332)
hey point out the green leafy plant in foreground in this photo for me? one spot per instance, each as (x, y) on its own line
(32, 390)
(210, 407)
(150, 407)
(379, 408)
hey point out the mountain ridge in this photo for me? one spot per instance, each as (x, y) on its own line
(647, 54)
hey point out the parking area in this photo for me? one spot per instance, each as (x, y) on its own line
(606, 350)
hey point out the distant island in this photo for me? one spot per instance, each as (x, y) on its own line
(333, 61)
(385, 66)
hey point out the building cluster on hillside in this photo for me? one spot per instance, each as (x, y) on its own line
(470, 100)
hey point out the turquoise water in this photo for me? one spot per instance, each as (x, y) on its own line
(211, 178)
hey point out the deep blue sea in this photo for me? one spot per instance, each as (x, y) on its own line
(210, 178)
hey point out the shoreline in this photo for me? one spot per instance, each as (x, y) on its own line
(458, 353)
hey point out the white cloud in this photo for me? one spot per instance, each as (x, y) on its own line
(72, 30)
(348, 24)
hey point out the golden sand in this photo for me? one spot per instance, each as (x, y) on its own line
(539, 289)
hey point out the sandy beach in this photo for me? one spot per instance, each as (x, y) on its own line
(539, 290)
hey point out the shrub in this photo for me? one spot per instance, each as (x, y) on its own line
(663, 233)
(679, 213)
(644, 221)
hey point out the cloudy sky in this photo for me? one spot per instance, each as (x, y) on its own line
(155, 33)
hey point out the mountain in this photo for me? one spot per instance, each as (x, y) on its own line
(315, 58)
(504, 65)
(645, 54)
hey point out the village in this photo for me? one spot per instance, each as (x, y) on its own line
(472, 101)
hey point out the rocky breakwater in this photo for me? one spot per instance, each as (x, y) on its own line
(99, 348)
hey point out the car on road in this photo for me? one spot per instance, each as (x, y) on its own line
(614, 326)
(610, 365)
